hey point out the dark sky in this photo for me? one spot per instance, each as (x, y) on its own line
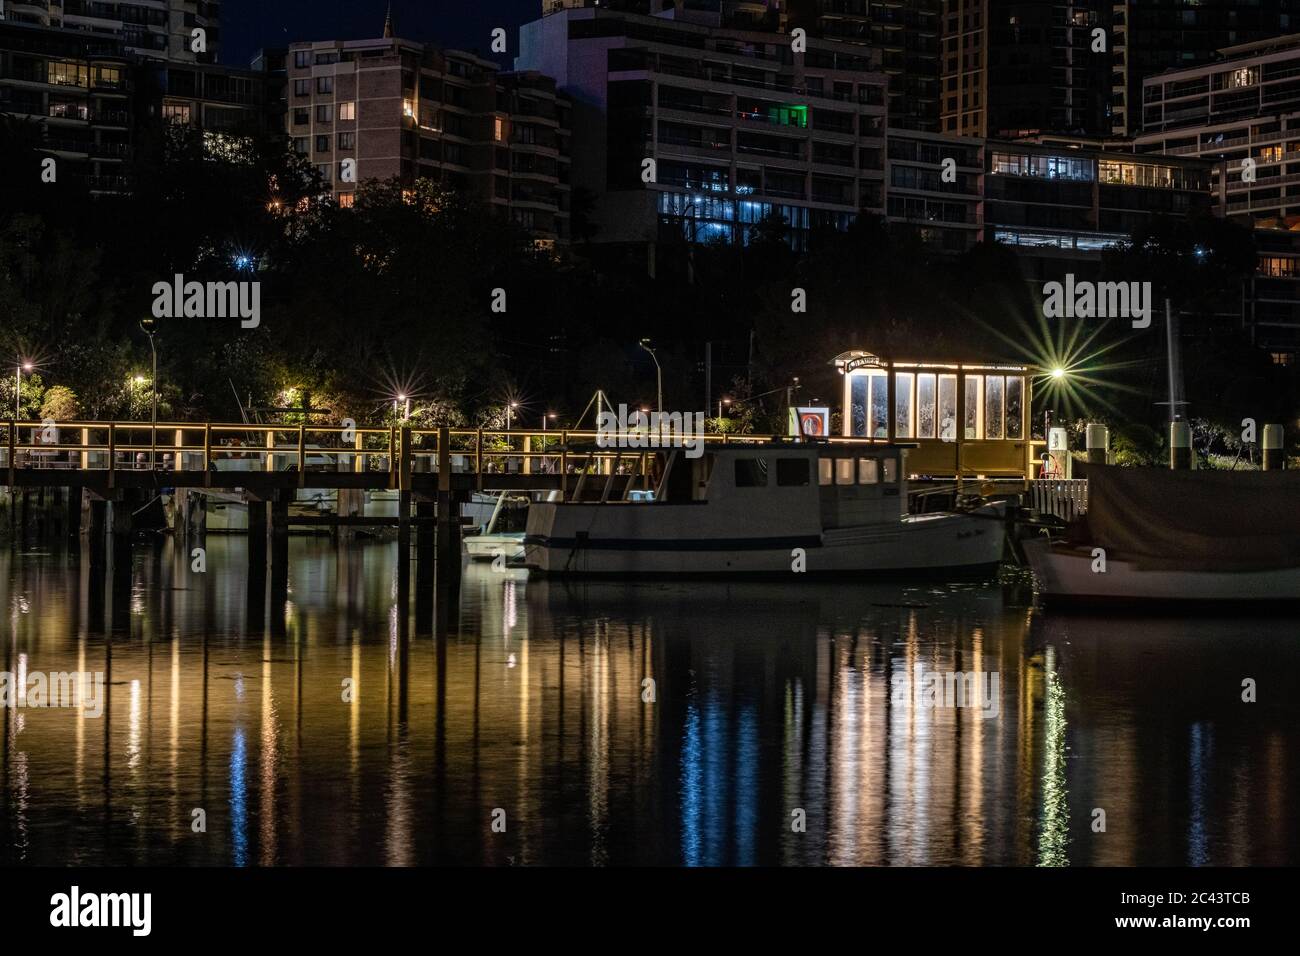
(247, 25)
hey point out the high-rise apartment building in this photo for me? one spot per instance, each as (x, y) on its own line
(963, 100)
(1151, 36)
(77, 94)
(1243, 113)
(683, 130)
(1047, 70)
(907, 35)
(378, 109)
(155, 28)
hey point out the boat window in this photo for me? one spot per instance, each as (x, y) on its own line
(825, 468)
(891, 470)
(791, 471)
(843, 471)
(751, 472)
(868, 472)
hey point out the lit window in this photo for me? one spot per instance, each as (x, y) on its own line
(408, 108)
(500, 130)
(348, 110)
(843, 471)
(825, 467)
(346, 200)
(868, 471)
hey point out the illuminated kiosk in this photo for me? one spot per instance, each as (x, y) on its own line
(967, 419)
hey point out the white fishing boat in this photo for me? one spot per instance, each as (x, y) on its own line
(1153, 536)
(773, 509)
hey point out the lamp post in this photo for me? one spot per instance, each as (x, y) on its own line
(149, 326)
(659, 373)
(18, 387)
(509, 410)
(721, 402)
(547, 417)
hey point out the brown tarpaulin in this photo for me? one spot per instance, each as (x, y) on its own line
(1195, 520)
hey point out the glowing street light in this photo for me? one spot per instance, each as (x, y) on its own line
(721, 402)
(1058, 373)
(23, 366)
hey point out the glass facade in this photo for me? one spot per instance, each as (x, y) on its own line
(712, 218)
(926, 406)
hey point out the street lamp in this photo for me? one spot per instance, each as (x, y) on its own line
(509, 410)
(18, 387)
(149, 326)
(549, 416)
(721, 402)
(399, 400)
(659, 372)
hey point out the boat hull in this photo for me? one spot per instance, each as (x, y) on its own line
(596, 540)
(1064, 576)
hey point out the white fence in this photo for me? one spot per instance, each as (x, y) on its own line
(1066, 498)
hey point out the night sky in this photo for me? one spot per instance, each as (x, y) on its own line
(247, 25)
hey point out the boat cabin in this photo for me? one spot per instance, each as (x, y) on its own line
(856, 482)
(966, 419)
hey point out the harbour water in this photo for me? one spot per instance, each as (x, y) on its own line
(630, 723)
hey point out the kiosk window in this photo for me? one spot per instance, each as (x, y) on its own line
(825, 468)
(868, 473)
(843, 471)
(891, 470)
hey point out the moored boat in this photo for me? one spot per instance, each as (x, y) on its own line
(1154, 537)
(774, 509)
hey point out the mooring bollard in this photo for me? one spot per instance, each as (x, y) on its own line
(1098, 439)
(1180, 446)
(1274, 457)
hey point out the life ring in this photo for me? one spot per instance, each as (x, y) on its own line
(236, 443)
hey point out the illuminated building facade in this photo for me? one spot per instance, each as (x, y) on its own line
(737, 129)
(1242, 114)
(156, 29)
(1059, 204)
(77, 93)
(396, 108)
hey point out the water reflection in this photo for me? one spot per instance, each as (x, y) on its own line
(701, 724)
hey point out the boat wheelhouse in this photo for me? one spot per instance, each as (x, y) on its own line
(966, 419)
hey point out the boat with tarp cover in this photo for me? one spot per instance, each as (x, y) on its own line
(1156, 536)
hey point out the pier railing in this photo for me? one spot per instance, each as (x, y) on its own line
(398, 450)
(374, 457)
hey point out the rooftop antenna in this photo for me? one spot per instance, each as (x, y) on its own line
(388, 22)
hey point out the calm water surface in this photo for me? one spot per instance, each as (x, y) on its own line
(335, 729)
